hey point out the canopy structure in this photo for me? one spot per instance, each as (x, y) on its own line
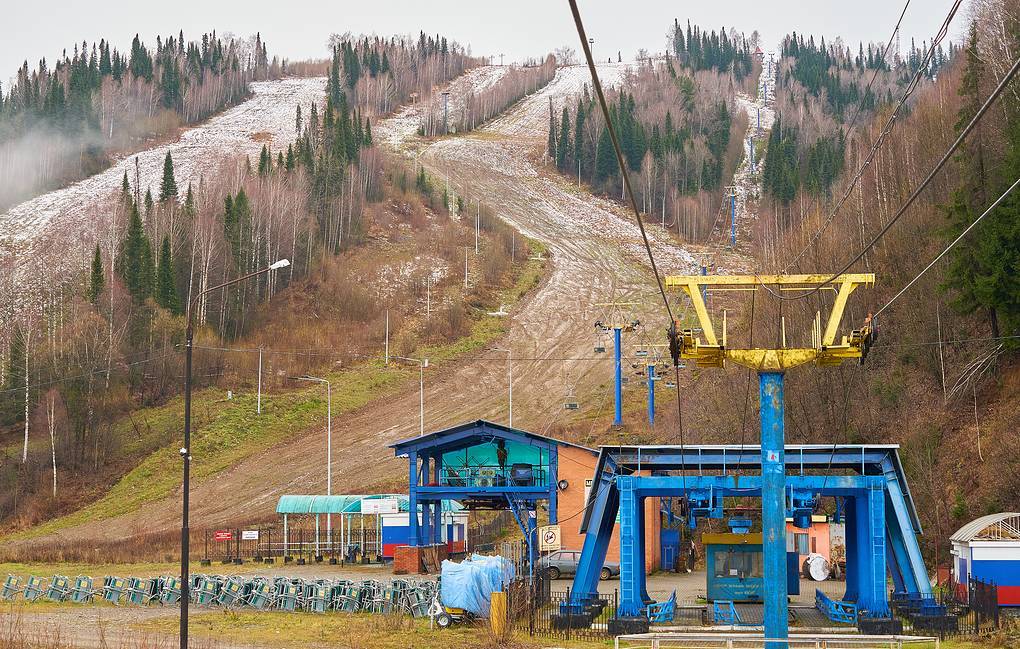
(345, 504)
(1004, 526)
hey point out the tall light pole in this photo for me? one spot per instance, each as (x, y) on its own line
(510, 380)
(329, 447)
(422, 364)
(189, 346)
(591, 48)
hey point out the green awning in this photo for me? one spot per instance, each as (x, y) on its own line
(343, 504)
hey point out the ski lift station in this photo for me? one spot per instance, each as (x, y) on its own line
(988, 548)
(487, 466)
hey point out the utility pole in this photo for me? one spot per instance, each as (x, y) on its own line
(258, 403)
(422, 364)
(329, 449)
(428, 296)
(189, 345)
(387, 353)
(465, 267)
(478, 220)
(591, 48)
(733, 216)
(446, 110)
(500, 59)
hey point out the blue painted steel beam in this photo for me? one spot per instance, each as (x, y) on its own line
(651, 394)
(437, 508)
(456, 493)
(554, 470)
(413, 535)
(459, 440)
(602, 507)
(618, 376)
(632, 537)
(773, 505)
(903, 532)
(749, 485)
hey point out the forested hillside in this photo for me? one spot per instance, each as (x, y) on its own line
(60, 124)
(942, 378)
(678, 125)
(822, 91)
(106, 342)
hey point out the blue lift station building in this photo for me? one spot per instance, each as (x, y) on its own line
(867, 483)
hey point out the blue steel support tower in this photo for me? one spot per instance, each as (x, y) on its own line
(651, 394)
(773, 504)
(618, 375)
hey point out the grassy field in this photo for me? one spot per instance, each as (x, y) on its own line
(345, 630)
(227, 431)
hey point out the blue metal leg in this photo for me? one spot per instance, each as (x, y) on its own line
(773, 505)
(618, 370)
(631, 540)
(903, 533)
(874, 598)
(413, 533)
(651, 395)
(853, 567)
(596, 541)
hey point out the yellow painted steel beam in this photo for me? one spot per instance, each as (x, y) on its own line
(680, 281)
(826, 351)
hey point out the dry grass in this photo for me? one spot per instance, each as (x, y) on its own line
(346, 631)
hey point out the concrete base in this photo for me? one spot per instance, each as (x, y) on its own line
(562, 621)
(624, 625)
(879, 626)
(936, 622)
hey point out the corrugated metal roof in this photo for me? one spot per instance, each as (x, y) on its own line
(1004, 526)
(343, 504)
(435, 436)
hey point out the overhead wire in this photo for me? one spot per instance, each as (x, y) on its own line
(945, 251)
(886, 129)
(913, 195)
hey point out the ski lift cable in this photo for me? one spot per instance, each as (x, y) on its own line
(886, 129)
(914, 195)
(624, 173)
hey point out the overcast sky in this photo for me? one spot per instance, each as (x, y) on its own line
(517, 28)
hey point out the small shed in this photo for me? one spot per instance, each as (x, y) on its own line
(374, 522)
(988, 549)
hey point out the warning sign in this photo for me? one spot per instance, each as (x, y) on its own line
(249, 535)
(549, 538)
(223, 535)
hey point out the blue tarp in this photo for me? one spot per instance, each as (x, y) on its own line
(469, 585)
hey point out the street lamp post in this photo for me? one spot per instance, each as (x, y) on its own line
(186, 449)
(329, 448)
(422, 364)
(510, 380)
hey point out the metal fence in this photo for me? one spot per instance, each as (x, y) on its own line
(953, 610)
(300, 544)
(538, 611)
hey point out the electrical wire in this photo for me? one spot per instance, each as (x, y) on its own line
(886, 129)
(915, 194)
(949, 247)
(624, 174)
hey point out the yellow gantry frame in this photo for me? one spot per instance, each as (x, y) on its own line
(825, 350)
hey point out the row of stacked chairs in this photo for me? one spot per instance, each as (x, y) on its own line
(261, 593)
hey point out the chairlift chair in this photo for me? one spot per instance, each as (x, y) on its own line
(33, 588)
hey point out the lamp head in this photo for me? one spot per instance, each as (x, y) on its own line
(283, 263)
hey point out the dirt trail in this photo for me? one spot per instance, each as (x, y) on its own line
(596, 256)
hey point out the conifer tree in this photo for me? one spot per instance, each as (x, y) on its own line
(563, 142)
(148, 202)
(289, 163)
(265, 161)
(97, 280)
(166, 286)
(606, 165)
(168, 185)
(135, 264)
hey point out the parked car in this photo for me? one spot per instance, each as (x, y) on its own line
(564, 562)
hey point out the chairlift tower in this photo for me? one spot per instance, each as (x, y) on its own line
(618, 322)
(771, 364)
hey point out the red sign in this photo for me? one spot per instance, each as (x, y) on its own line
(223, 535)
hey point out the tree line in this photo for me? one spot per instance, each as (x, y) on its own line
(60, 124)
(675, 127)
